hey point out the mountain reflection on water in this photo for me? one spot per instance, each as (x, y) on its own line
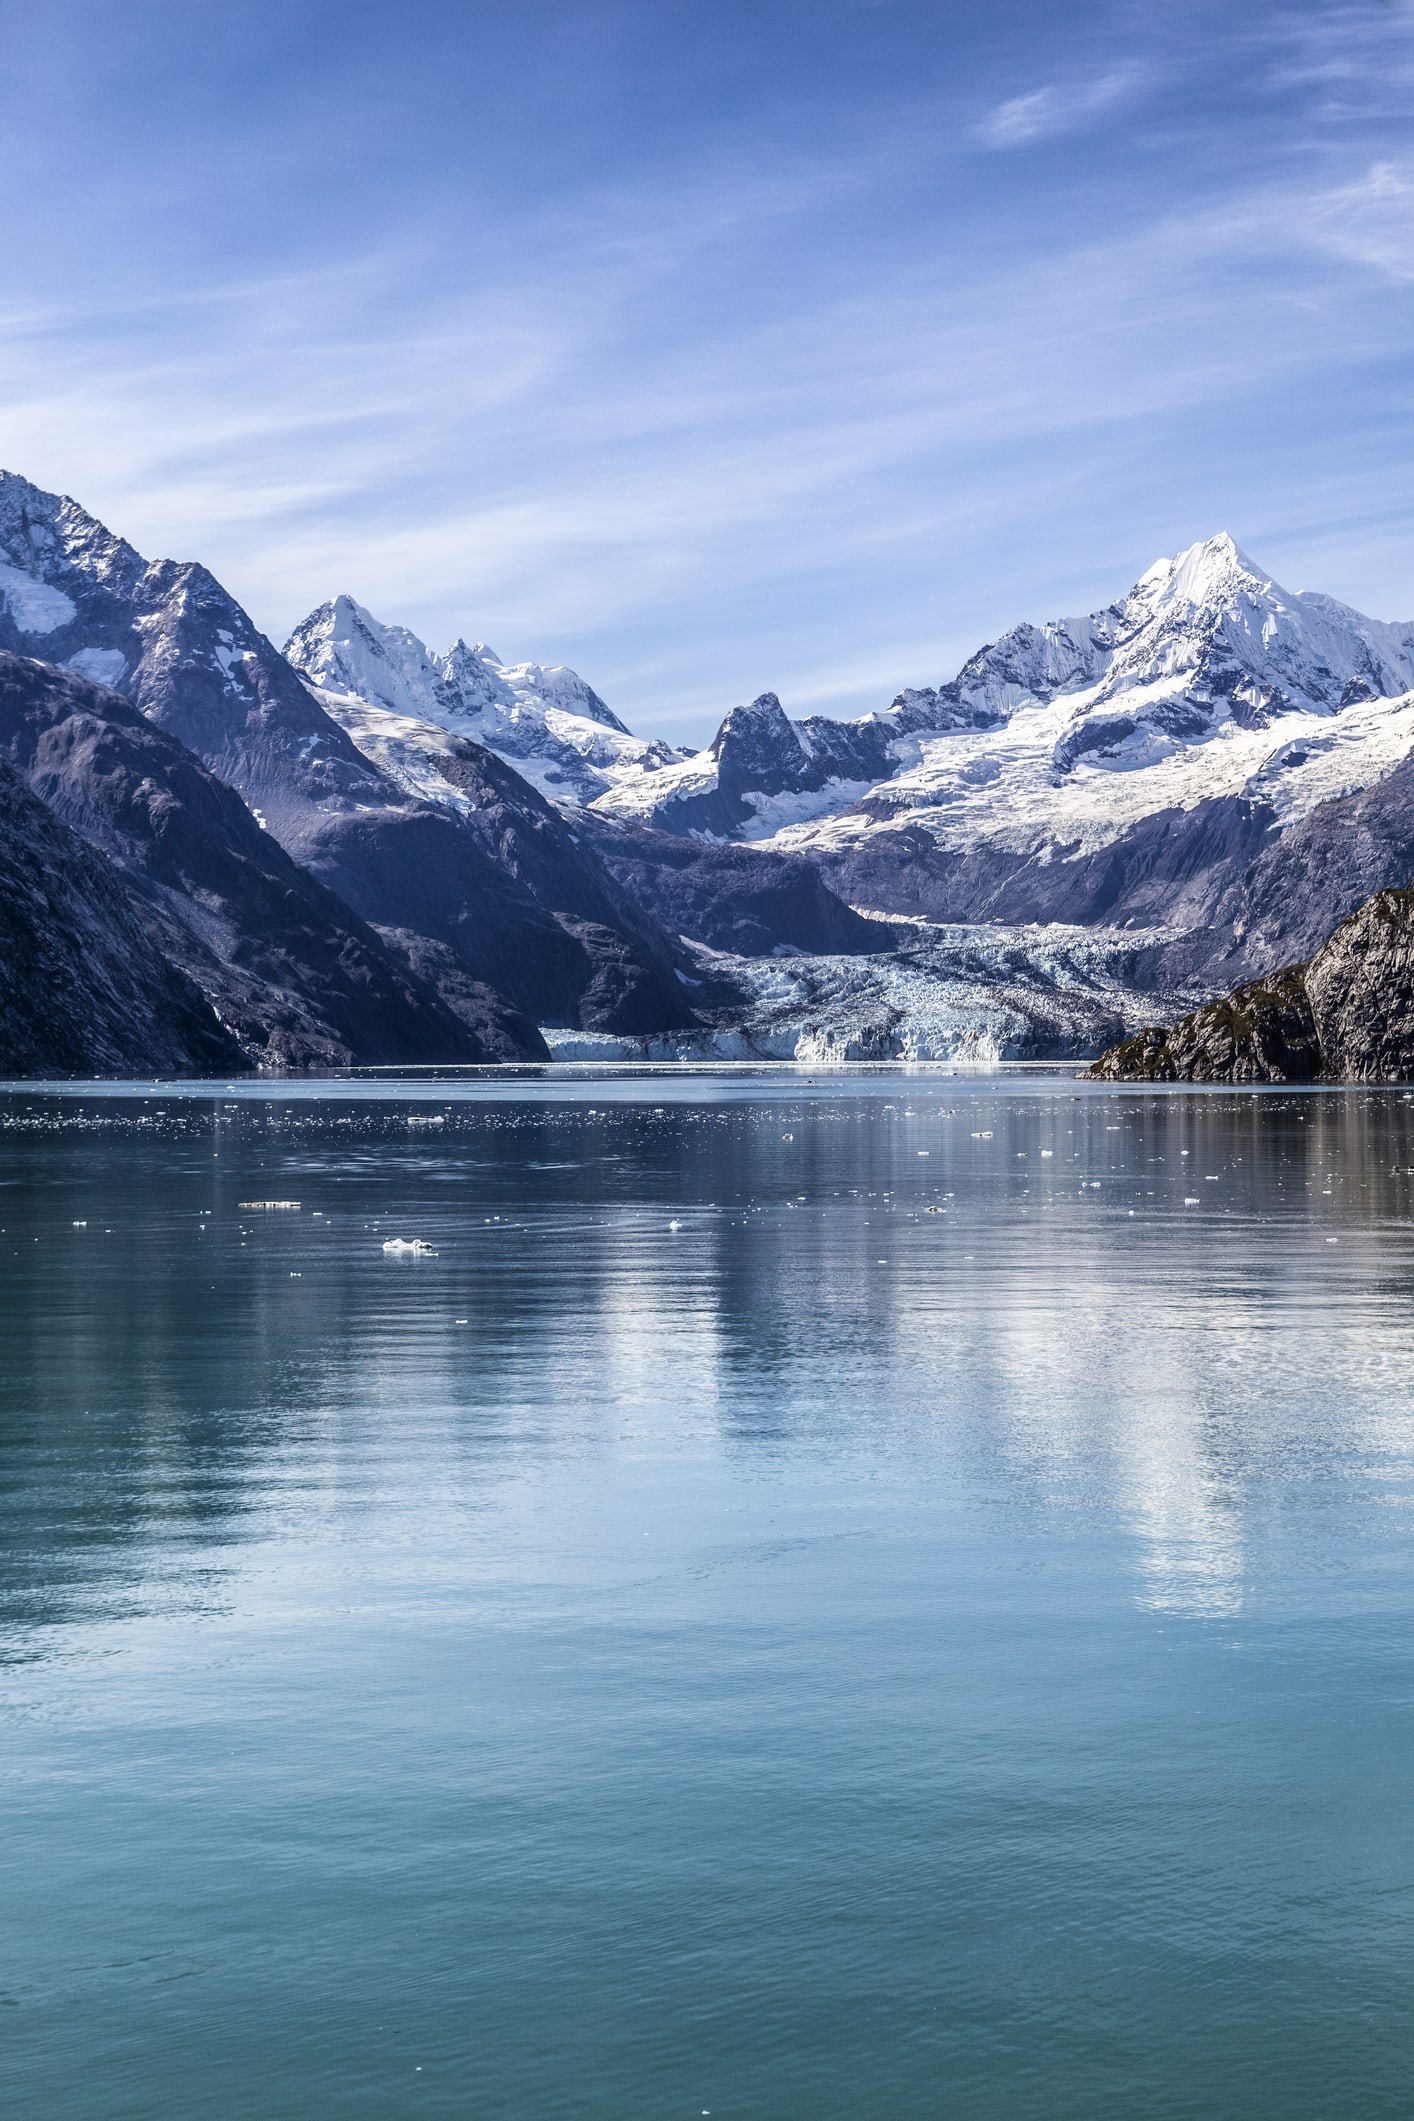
(887, 1596)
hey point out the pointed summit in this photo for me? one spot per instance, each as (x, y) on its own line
(552, 727)
(1201, 573)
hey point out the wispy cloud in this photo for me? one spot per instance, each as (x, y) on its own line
(1058, 108)
(1357, 60)
(1370, 221)
(546, 474)
(816, 412)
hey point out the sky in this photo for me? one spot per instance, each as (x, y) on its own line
(715, 347)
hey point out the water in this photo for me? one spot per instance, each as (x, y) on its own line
(825, 1659)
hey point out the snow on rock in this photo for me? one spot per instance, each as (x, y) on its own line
(444, 884)
(402, 746)
(545, 721)
(167, 636)
(34, 606)
(1135, 764)
(1206, 679)
(101, 666)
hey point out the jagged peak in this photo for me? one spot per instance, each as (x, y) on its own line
(765, 704)
(15, 486)
(346, 610)
(17, 492)
(342, 618)
(55, 528)
(1201, 573)
(753, 719)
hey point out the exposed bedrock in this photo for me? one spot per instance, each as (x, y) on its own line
(1173, 869)
(748, 900)
(1346, 1016)
(83, 988)
(296, 977)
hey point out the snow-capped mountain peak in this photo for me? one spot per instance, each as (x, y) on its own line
(166, 634)
(1206, 679)
(1227, 642)
(546, 721)
(342, 648)
(46, 538)
(1201, 573)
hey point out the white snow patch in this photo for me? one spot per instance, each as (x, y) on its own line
(101, 666)
(35, 606)
(400, 745)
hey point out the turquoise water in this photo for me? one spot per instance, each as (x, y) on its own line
(824, 1659)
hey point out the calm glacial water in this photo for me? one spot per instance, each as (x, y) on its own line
(717, 1638)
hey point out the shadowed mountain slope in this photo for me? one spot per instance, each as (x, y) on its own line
(422, 872)
(83, 988)
(1346, 1016)
(297, 977)
(747, 900)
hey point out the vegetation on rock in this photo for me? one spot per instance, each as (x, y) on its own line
(1347, 1015)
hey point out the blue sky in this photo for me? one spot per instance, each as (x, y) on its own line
(715, 347)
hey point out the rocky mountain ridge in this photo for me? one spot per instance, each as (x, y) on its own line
(552, 727)
(1140, 766)
(420, 872)
(83, 988)
(294, 976)
(991, 796)
(485, 854)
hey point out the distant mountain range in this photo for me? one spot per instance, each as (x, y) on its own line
(361, 850)
(1139, 766)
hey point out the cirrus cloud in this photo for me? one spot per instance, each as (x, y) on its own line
(1059, 107)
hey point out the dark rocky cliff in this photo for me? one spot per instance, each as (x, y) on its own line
(511, 896)
(83, 988)
(1346, 1016)
(749, 900)
(297, 977)
(467, 901)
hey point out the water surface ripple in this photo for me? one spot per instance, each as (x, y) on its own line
(716, 1636)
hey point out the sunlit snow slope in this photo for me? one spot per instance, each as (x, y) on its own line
(1133, 767)
(546, 722)
(1208, 679)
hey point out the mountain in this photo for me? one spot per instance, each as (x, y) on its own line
(745, 900)
(494, 874)
(1204, 777)
(1205, 755)
(295, 977)
(173, 642)
(1320, 870)
(410, 712)
(547, 723)
(1123, 768)
(761, 770)
(1345, 1016)
(170, 639)
(83, 988)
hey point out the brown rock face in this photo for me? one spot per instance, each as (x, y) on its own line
(1346, 1016)
(1361, 985)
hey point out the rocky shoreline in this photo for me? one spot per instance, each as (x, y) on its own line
(1346, 1015)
